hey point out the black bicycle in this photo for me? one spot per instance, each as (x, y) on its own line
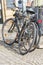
(12, 27)
(21, 30)
(30, 36)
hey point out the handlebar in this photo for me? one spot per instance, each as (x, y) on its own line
(16, 6)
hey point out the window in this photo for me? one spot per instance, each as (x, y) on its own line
(10, 3)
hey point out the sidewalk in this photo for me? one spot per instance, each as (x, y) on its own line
(9, 55)
(41, 39)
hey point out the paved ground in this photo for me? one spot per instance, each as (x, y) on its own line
(9, 55)
(41, 40)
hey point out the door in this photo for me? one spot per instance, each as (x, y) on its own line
(1, 17)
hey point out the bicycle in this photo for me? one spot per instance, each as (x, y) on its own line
(13, 27)
(26, 35)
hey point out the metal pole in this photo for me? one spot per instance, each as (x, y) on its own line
(22, 5)
(37, 9)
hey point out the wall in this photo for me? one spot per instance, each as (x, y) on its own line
(38, 3)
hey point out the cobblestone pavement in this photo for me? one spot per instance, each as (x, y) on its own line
(9, 55)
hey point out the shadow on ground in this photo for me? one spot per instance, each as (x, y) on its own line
(13, 48)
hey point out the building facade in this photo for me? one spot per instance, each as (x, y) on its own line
(7, 5)
(38, 2)
(39, 5)
(6, 8)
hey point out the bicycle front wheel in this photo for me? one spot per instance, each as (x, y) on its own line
(27, 38)
(9, 31)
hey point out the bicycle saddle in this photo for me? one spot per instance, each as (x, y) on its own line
(30, 10)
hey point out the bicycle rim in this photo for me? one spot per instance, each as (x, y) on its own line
(27, 45)
(9, 37)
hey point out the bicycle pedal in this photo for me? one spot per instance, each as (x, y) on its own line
(16, 40)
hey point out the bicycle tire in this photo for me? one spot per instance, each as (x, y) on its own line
(32, 44)
(38, 35)
(9, 36)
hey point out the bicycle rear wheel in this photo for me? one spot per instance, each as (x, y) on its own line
(38, 35)
(27, 38)
(9, 31)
